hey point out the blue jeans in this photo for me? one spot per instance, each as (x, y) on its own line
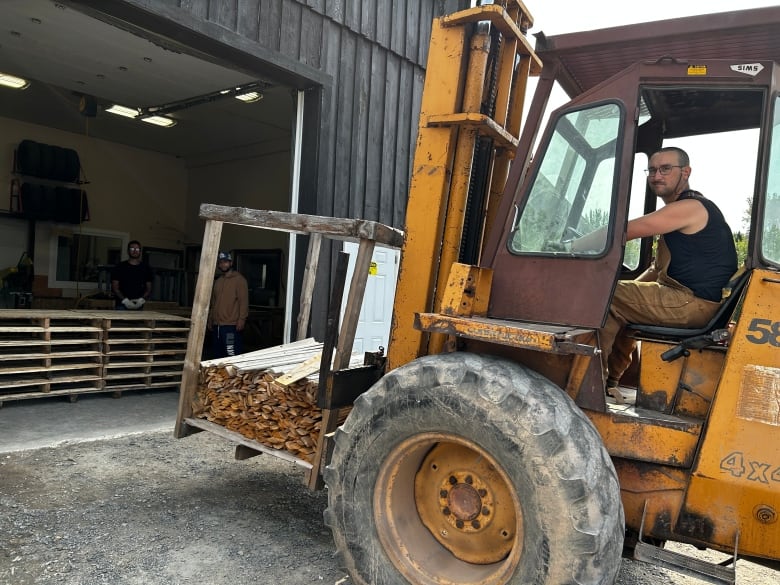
(226, 341)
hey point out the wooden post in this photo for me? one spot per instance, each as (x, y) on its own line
(329, 416)
(307, 287)
(200, 308)
(357, 289)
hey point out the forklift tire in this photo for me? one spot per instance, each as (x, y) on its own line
(461, 469)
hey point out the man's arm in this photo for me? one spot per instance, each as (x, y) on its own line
(688, 216)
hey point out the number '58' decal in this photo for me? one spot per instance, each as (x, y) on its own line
(764, 331)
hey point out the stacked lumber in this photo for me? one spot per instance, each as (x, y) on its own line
(269, 396)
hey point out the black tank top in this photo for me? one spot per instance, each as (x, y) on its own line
(703, 261)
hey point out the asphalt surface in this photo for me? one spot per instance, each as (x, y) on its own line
(49, 422)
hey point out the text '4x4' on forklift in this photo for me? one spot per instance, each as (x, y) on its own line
(487, 453)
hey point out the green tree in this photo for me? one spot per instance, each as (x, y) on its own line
(740, 241)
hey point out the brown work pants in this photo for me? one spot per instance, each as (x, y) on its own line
(649, 303)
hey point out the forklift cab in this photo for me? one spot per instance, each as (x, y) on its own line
(588, 175)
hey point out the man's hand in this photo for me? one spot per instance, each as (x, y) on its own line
(139, 302)
(127, 303)
(555, 246)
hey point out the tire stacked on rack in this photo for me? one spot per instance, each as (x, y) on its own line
(47, 162)
(46, 202)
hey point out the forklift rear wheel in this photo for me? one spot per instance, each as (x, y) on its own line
(460, 469)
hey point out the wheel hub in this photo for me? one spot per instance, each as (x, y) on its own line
(465, 504)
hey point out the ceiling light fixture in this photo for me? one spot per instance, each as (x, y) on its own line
(123, 111)
(163, 121)
(251, 97)
(13, 82)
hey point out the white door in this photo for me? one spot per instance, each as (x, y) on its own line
(373, 328)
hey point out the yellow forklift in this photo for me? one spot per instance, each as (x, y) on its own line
(487, 453)
(481, 450)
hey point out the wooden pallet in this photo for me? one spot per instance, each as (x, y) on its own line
(50, 353)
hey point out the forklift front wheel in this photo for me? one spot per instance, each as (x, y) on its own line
(460, 469)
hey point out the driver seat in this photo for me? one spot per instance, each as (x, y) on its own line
(732, 292)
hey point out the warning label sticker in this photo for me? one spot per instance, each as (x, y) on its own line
(697, 70)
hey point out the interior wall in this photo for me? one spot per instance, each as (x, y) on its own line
(246, 179)
(151, 197)
(130, 190)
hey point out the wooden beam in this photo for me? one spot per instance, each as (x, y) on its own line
(200, 308)
(357, 289)
(341, 228)
(307, 287)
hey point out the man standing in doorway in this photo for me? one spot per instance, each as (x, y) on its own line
(131, 280)
(229, 309)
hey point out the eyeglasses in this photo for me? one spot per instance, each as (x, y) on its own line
(134, 249)
(663, 169)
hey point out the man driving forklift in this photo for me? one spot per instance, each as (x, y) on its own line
(695, 259)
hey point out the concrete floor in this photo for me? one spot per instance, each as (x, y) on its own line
(48, 422)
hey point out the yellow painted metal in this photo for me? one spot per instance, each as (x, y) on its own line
(506, 24)
(735, 488)
(658, 380)
(475, 121)
(652, 490)
(428, 193)
(461, 171)
(651, 439)
(417, 537)
(685, 386)
(544, 338)
(466, 504)
(450, 111)
(468, 290)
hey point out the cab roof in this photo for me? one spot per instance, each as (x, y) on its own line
(585, 59)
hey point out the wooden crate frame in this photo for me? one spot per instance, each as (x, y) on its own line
(366, 233)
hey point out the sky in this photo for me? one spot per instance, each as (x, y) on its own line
(718, 168)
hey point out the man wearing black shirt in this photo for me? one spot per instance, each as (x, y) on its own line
(131, 280)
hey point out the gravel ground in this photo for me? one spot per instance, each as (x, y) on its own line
(150, 509)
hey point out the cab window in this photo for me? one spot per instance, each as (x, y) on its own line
(573, 188)
(770, 234)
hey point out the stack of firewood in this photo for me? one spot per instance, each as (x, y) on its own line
(269, 396)
(257, 406)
